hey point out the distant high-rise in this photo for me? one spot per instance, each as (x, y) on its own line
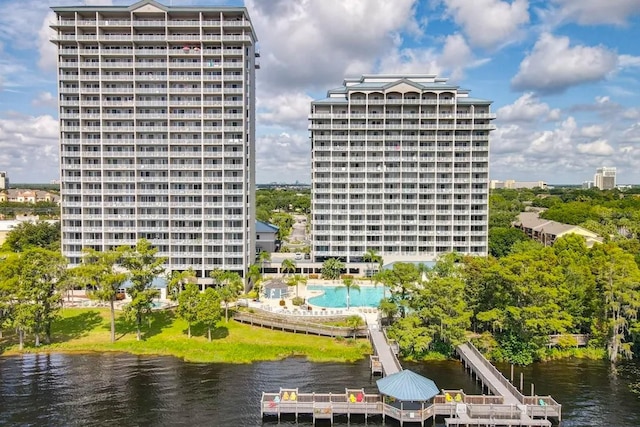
(400, 164)
(157, 138)
(605, 178)
(4, 180)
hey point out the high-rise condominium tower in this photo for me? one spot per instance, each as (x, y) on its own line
(605, 178)
(400, 165)
(157, 131)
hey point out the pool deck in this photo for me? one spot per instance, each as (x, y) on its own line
(370, 314)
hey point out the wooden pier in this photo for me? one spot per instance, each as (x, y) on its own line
(507, 407)
(465, 410)
(531, 408)
(386, 358)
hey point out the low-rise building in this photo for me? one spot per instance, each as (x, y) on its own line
(267, 237)
(546, 231)
(510, 183)
(28, 196)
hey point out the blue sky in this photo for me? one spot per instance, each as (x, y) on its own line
(563, 75)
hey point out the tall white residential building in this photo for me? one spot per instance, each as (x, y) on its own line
(400, 165)
(4, 180)
(605, 178)
(157, 140)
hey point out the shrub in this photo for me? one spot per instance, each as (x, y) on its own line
(313, 276)
(346, 276)
(297, 301)
(282, 303)
(120, 296)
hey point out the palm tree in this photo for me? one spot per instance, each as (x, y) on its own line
(177, 280)
(349, 283)
(296, 280)
(254, 278)
(332, 268)
(229, 285)
(372, 257)
(263, 258)
(288, 266)
(353, 323)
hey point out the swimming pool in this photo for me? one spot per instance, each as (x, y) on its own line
(336, 296)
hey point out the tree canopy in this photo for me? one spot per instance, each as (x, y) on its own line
(27, 235)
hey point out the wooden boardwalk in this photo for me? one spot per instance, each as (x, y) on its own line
(531, 407)
(488, 374)
(384, 351)
(297, 325)
(507, 408)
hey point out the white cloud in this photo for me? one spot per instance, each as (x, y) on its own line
(631, 113)
(593, 131)
(284, 157)
(596, 148)
(45, 99)
(312, 44)
(456, 55)
(28, 141)
(626, 61)
(553, 143)
(451, 61)
(289, 109)
(47, 50)
(554, 65)
(407, 61)
(489, 23)
(591, 12)
(527, 108)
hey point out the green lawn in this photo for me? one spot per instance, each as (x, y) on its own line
(87, 330)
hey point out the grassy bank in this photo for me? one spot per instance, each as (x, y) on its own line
(87, 330)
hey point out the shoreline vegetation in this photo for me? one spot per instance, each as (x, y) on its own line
(87, 330)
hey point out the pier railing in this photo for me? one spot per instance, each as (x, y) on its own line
(395, 349)
(292, 324)
(471, 407)
(496, 373)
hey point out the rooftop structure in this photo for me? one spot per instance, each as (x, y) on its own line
(400, 164)
(157, 138)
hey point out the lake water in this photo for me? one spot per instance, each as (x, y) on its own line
(126, 390)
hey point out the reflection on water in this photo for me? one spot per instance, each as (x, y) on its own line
(125, 390)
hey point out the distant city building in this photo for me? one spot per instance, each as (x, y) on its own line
(400, 165)
(28, 196)
(546, 231)
(605, 178)
(510, 183)
(157, 131)
(587, 184)
(4, 180)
